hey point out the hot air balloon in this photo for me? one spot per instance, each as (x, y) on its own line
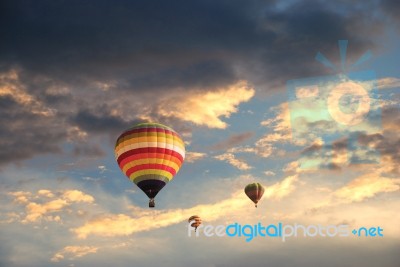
(150, 154)
(196, 221)
(254, 191)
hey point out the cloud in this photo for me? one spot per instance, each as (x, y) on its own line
(376, 146)
(110, 225)
(328, 144)
(73, 252)
(46, 193)
(100, 121)
(35, 211)
(191, 157)
(281, 132)
(388, 83)
(362, 192)
(207, 108)
(231, 159)
(232, 141)
(11, 87)
(366, 186)
(23, 118)
(254, 37)
(47, 204)
(281, 189)
(269, 173)
(77, 196)
(280, 125)
(392, 8)
(21, 197)
(88, 150)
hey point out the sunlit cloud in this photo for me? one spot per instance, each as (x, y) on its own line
(388, 82)
(231, 159)
(281, 189)
(10, 86)
(73, 252)
(47, 204)
(191, 157)
(45, 193)
(35, 211)
(269, 173)
(20, 197)
(281, 132)
(77, 196)
(207, 108)
(366, 186)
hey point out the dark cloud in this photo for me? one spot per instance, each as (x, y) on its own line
(88, 150)
(392, 7)
(233, 140)
(100, 122)
(24, 134)
(151, 45)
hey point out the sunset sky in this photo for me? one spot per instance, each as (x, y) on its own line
(76, 74)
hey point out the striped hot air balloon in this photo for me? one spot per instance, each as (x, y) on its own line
(195, 221)
(150, 154)
(254, 191)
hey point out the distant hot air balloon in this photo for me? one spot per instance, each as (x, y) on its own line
(196, 221)
(254, 191)
(150, 154)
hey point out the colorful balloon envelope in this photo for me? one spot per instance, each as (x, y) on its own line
(195, 221)
(254, 191)
(150, 154)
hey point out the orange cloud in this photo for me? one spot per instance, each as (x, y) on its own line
(191, 157)
(39, 206)
(77, 196)
(281, 189)
(73, 252)
(206, 108)
(366, 186)
(35, 211)
(20, 197)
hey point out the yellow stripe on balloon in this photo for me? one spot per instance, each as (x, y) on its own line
(161, 137)
(174, 141)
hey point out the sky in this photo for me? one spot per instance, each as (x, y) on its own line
(239, 81)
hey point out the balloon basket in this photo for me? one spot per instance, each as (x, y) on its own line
(152, 204)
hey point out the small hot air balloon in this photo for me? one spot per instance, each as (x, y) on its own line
(196, 221)
(254, 191)
(150, 154)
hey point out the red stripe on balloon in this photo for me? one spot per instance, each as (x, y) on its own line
(146, 156)
(152, 150)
